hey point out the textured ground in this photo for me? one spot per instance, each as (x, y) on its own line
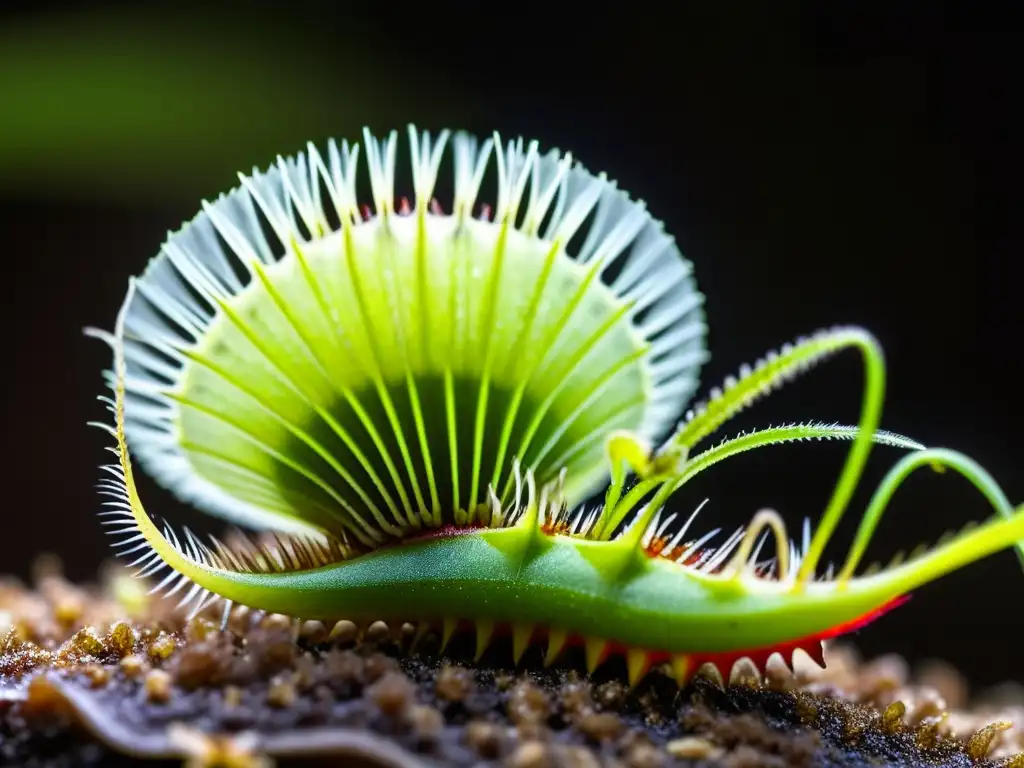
(104, 676)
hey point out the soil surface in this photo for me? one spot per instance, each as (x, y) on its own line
(106, 676)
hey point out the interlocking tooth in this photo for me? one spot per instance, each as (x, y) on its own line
(484, 633)
(379, 632)
(638, 663)
(404, 631)
(343, 631)
(787, 661)
(776, 673)
(495, 516)
(710, 670)
(447, 630)
(745, 672)
(812, 661)
(521, 634)
(816, 652)
(556, 644)
(595, 651)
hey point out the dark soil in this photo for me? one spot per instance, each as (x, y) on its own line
(106, 678)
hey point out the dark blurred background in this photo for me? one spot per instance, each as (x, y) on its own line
(818, 165)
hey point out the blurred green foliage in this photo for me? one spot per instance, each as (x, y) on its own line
(117, 105)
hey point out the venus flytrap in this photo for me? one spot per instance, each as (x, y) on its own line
(417, 404)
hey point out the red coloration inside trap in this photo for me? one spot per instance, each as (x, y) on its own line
(404, 208)
(659, 548)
